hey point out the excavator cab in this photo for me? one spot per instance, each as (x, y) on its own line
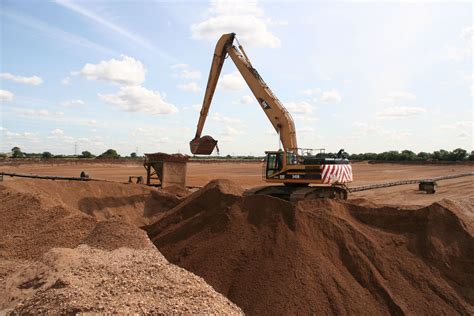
(274, 163)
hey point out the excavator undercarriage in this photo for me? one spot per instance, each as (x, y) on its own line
(295, 193)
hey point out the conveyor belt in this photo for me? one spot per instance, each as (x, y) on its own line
(403, 182)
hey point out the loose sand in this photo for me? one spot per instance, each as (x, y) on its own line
(46, 264)
(323, 256)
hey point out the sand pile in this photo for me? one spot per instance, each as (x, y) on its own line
(136, 204)
(114, 233)
(29, 227)
(271, 257)
(123, 281)
(39, 272)
(40, 214)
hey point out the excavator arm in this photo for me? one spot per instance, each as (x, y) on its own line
(273, 108)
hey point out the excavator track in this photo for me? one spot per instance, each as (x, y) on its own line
(299, 193)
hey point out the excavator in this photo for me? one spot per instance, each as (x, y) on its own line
(300, 173)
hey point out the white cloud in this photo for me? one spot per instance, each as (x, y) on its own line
(197, 107)
(230, 132)
(305, 130)
(232, 82)
(18, 137)
(398, 96)
(365, 128)
(38, 113)
(394, 136)
(246, 99)
(66, 81)
(189, 74)
(73, 103)
(57, 132)
(6, 95)
(217, 117)
(463, 52)
(455, 53)
(245, 18)
(179, 66)
(126, 71)
(400, 111)
(92, 122)
(467, 33)
(331, 96)
(189, 87)
(305, 118)
(311, 91)
(301, 107)
(139, 99)
(458, 125)
(33, 80)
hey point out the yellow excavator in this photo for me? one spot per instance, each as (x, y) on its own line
(303, 173)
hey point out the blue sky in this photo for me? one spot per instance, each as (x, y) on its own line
(364, 76)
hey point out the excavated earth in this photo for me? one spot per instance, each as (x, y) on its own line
(324, 256)
(69, 247)
(72, 247)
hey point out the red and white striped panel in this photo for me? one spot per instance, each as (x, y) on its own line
(336, 174)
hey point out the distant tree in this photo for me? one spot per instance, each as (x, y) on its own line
(133, 155)
(86, 154)
(407, 155)
(471, 156)
(46, 155)
(109, 153)
(423, 156)
(458, 154)
(441, 154)
(392, 155)
(16, 152)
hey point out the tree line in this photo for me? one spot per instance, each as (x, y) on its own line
(457, 154)
(16, 152)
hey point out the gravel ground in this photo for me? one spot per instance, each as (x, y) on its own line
(124, 281)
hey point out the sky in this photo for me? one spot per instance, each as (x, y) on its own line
(131, 75)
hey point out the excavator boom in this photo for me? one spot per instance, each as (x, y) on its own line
(273, 108)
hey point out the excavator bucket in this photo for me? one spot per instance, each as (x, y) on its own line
(203, 145)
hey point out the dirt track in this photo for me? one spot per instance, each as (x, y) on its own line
(250, 175)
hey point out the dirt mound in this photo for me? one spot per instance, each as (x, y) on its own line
(136, 204)
(200, 209)
(29, 227)
(113, 233)
(176, 191)
(41, 214)
(323, 257)
(123, 281)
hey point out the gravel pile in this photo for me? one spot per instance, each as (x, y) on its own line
(123, 281)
